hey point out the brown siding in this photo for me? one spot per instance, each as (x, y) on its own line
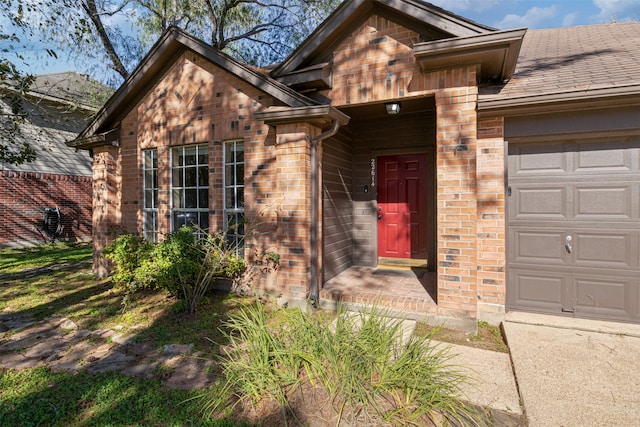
(337, 174)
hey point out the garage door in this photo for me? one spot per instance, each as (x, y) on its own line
(574, 228)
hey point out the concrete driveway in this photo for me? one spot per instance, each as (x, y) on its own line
(573, 372)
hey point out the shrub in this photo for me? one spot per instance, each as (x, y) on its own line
(183, 264)
(127, 252)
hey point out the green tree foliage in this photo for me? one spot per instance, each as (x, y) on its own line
(13, 86)
(91, 31)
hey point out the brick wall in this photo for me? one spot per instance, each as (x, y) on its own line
(491, 216)
(23, 197)
(376, 64)
(194, 102)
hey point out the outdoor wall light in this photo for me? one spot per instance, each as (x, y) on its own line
(392, 107)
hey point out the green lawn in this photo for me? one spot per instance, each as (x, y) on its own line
(346, 365)
(38, 397)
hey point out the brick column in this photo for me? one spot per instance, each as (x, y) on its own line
(105, 218)
(456, 195)
(491, 219)
(293, 157)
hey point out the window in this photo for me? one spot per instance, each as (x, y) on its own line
(234, 192)
(190, 187)
(150, 209)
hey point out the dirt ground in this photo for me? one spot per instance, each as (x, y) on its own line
(487, 338)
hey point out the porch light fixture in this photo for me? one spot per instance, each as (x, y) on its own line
(392, 107)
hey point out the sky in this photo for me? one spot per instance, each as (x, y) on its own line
(538, 14)
(501, 14)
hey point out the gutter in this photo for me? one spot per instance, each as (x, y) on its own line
(315, 207)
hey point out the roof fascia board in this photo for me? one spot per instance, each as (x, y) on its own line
(437, 17)
(172, 43)
(474, 49)
(357, 10)
(87, 143)
(618, 96)
(317, 77)
(322, 114)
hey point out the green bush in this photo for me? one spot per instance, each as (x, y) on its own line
(127, 252)
(183, 264)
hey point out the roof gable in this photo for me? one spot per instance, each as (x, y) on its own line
(429, 21)
(161, 56)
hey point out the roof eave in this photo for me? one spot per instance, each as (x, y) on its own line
(172, 43)
(496, 53)
(352, 11)
(617, 96)
(321, 115)
(109, 138)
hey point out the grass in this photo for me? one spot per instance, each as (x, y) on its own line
(359, 362)
(40, 397)
(353, 366)
(21, 259)
(93, 304)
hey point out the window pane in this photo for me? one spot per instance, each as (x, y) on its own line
(229, 175)
(177, 158)
(239, 152)
(228, 152)
(240, 173)
(148, 198)
(190, 156)
(190, 198)
(155, 198)
(148, 178)
(230, 199)
(177, 199)
(240, 196)
(203, 156)
(203, 176)
(177, 178)
(204, 221)
(190, 179)
(203, 199)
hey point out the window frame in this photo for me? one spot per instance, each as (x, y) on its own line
(201, 213)
(234, 215)
(150, 207)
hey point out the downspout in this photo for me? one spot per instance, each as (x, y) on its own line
(315, 206)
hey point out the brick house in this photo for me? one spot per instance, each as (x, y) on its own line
(57, 107)
(509, 171)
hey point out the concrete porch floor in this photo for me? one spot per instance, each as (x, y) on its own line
(404, 292)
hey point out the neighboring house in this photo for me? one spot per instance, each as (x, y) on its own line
(512, 169)
(57, 107)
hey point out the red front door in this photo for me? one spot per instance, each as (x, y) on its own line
(402, 206)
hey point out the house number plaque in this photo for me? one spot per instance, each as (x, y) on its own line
(373, 172)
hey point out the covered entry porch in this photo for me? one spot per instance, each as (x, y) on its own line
(404, 292)
(359, 264)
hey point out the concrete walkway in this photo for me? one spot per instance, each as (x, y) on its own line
(574, 372)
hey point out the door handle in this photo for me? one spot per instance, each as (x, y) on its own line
(379, 216)
(567, 246)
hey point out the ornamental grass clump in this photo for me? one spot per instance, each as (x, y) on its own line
(360, 361)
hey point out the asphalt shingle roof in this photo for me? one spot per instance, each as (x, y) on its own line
(575, 58)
